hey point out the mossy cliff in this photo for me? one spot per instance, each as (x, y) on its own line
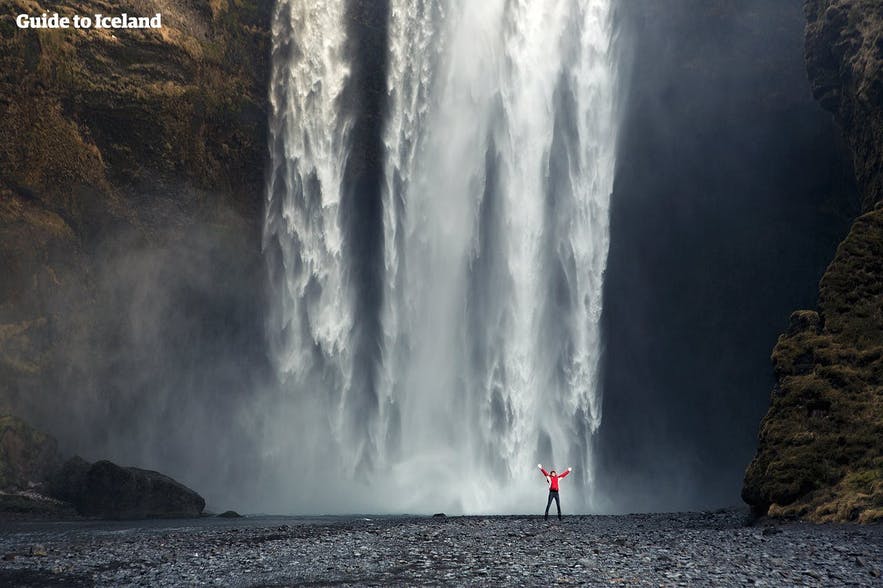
(118, 142)
(821, 443)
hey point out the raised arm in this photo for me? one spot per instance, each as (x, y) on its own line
(545, 473)
(564, 475)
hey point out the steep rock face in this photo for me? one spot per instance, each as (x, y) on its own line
(131, 186)
(95, 119)
(27, 456)
(844, 59)
(821, 443)
(728, 205)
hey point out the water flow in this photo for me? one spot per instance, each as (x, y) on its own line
(310, 316)
(498, 169)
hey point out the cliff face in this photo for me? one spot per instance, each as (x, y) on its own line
(131, 189)
(844, 59)
(821, 443)
(724, 157)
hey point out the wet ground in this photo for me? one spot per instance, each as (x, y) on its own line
(637, 550)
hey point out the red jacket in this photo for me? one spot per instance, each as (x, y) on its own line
(553, 480)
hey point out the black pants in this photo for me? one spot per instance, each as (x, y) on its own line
(553, 494)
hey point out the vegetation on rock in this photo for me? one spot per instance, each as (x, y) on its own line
(115, 144)
(820, 454)
(845, 64)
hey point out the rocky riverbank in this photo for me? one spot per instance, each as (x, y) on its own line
(638, 550)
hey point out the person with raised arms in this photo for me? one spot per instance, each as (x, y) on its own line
(552, 479)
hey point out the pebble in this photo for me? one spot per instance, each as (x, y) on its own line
(637, 550)
(37, 551)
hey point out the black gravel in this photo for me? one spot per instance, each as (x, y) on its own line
(689, 549)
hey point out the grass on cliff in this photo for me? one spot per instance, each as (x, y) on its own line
(86, 116)
(821, 443)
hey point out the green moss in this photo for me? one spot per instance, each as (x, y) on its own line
(863, 481)
(142, 133)
(74, 106)
(843, 352)
(821, 443)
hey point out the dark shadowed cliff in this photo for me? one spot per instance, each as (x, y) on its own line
(130, 200)
(821, 443)
(732, 192)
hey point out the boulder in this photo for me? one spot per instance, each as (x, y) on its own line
(110, 491)
(30, 460)
(68, 483)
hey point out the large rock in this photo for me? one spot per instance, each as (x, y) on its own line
(110, 491)
(820, 454)
(68, 483)
(30, 460)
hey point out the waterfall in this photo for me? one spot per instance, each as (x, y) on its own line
(494, 172)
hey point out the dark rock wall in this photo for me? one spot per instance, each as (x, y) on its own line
(844, 59)
(732, 192)
(131, 188)
(821, 443)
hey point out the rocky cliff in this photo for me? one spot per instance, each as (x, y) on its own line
(821, 443)
(724, 157)
(131, 185)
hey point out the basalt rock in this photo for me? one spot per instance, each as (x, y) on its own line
(68, 483)
(820, 453)
(107, 490)
(844, 59)
(114, 492)
(34, 481)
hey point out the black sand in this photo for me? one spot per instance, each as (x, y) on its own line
(703, 549)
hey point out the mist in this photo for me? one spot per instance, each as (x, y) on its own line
(160, 366)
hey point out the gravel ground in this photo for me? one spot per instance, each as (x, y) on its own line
(704, 549)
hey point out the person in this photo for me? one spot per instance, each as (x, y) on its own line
(552, 478)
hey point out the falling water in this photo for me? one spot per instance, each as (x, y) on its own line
(497, 153)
